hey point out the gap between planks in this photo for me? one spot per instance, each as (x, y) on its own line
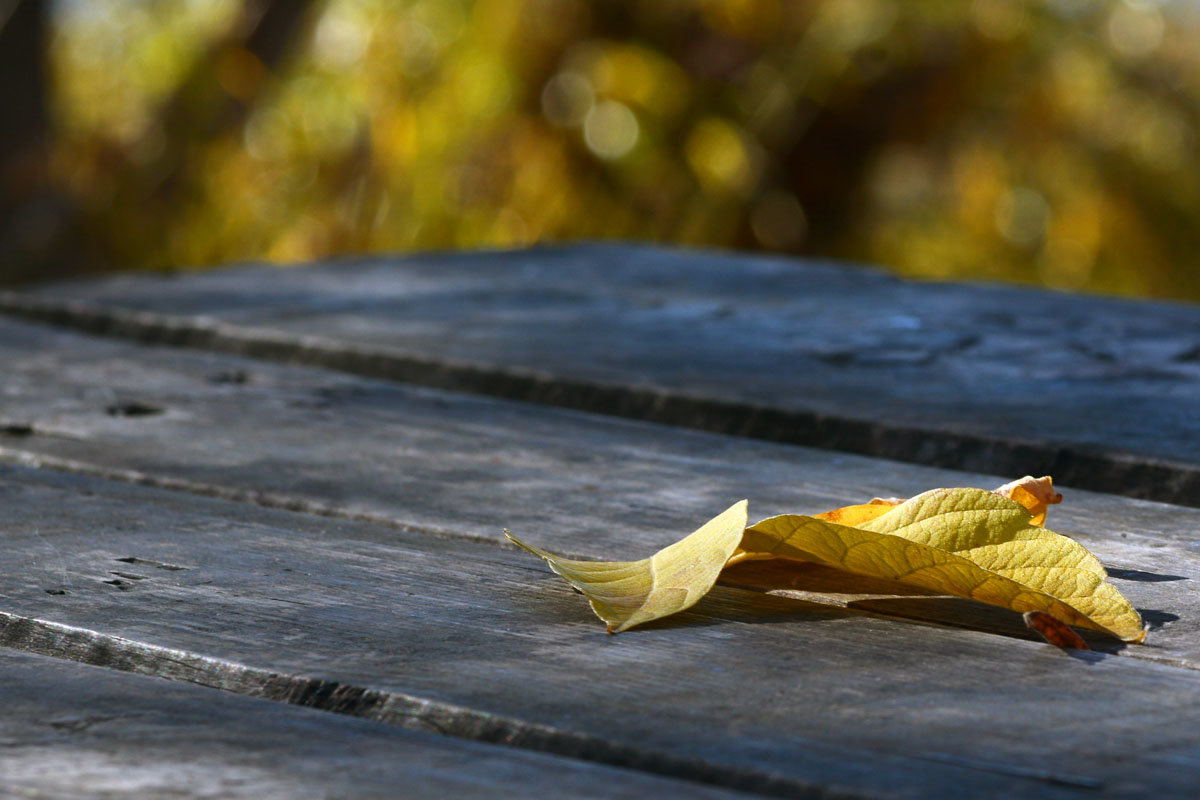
(1129, 475)
(417, 713)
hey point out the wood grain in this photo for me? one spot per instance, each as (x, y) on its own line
(71, 730)
(332, 541)
(1099, 392)
(748, 691)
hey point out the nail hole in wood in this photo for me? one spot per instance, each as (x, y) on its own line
(148, 563)
(129, 576)
(133, 408)
(236, 376)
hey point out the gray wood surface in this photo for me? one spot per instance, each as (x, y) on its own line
(477, 640)
(333, 541)
(71, 730)
(1102, 393)
(449, 464)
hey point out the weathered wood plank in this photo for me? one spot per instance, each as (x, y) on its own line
(1100, 392)
(761, 693)
(70, 730)
(319, 441)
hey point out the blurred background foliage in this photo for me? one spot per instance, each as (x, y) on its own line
(1041, 141)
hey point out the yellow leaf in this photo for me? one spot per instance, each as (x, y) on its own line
(966, 542)
(628, 593)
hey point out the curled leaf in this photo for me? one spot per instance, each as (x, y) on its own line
(628, 593)
(1036, 494)
(966, 542)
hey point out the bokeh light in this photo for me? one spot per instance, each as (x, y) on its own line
(1043, 141)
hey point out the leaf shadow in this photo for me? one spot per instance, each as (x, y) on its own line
(790, 592)
(1157, 619)
(1143, 577)
(725, 604)
(831, 590)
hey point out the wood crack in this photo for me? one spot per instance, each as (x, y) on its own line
(273, 500)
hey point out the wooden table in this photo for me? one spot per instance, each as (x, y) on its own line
(253, 530)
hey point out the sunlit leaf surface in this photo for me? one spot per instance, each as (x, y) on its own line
(966, 542)
(628, 593)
